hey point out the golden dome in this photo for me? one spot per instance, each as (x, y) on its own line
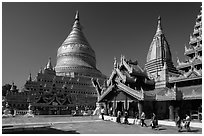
(75, 54)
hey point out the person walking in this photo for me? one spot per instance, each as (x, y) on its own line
(126, 118)
(102, 112)
(154, 121)
(187, 122)
(118, 117)
(178, 123)
(143, 119)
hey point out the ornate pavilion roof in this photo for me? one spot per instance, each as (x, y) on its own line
(191, 69)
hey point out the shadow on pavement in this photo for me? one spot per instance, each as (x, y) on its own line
(162, 128)
(192, 130)
(39, 130)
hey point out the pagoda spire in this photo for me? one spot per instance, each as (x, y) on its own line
(115, 62)
(76, 22)
(13, 87)
(49, 65)
(77, 15)
(159, 28)
(30, 78)
(159, 60)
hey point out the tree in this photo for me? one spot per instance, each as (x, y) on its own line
(5, 88)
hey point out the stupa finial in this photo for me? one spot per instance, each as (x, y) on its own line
(49, 65)
(159, 28)
(77, 15)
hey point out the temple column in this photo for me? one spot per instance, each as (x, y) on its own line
(106, 107)
(126, 103)
(114, 106)
(171, 112)
(139, 105)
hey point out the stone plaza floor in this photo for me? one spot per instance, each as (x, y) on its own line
(80, 125)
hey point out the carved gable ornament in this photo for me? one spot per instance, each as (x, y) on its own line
(55, 102)
(41, 100)
(192, 75)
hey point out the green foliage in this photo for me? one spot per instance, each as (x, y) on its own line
(5, 88)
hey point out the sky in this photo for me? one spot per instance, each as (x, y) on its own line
(33, 32)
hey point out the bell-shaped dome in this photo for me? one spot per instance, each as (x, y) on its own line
(159, 48)
(159, 53)
(75, 54)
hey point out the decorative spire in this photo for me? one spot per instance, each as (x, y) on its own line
(12, 86)
(115, 62)
(30, 78)
(178, 61)
(159, 54)
(159, 28)
(49, 65)
(77, 15)
(76, 22)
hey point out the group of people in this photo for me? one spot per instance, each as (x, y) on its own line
(154, 121)
(183, 123)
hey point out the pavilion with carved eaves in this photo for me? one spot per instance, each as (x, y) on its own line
(161, 87)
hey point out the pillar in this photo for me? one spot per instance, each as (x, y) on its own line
(114, 107)
(139, 105)
(106, 108)
(126, 103)
(171, 112)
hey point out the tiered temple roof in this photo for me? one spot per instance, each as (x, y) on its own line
(129, 78)
(160, 81)
(192, 67)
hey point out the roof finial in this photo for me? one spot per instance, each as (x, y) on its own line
(159, 28)
(30, 78)
(159, 18)
(77, 15)
(49, 65)
(76, 22)
(178, 61)
(12, 86)
(115, 62)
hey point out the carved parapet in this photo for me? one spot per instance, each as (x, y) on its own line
(196, 31)
(198, 24)
(192, 40)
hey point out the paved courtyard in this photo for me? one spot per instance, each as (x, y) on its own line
(80, 125)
